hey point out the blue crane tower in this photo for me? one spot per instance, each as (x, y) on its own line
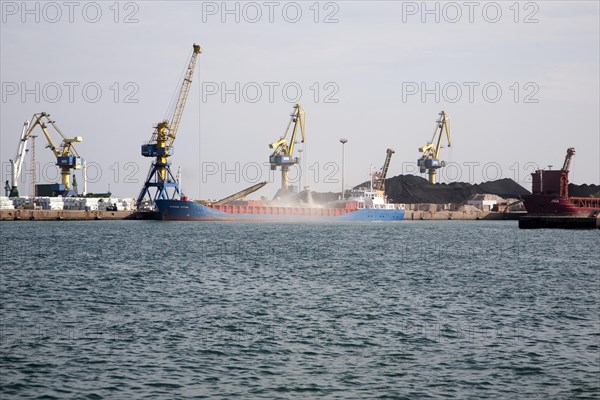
(160, 147)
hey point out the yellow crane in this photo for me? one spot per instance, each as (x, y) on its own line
(67, 157)
(283, 154)
(160, 146)
(430, 161)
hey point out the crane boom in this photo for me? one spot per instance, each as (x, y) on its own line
(298, 119)
(17, 163)
(183, 95)
(65, 148)
(564, 175)
(379, 177)
(568, 157)
(240, 194)
(443, 125)
(38, 120)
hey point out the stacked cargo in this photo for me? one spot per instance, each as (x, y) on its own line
(23, 202)
(128, 204)
(6, 203)
(71, 203)
(50, 203)
(105, 204)
(81, 203)
(88, 203)
(116, 204)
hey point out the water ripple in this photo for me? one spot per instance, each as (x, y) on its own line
(413, 310)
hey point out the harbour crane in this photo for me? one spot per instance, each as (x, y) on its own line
(564, 176)
(17, 163)
(160, 146)
(568, 157)
(67, 157)
(379, 176)
(283, 154)
(430, 161)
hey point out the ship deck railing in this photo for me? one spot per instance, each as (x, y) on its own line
(586, 202)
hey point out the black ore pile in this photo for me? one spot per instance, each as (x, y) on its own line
(411, 189)
(414, 189)
(584, 190)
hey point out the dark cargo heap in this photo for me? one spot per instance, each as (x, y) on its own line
(412, 189)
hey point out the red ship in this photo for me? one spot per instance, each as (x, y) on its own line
(550, 194)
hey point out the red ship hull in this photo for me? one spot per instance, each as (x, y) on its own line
(549, 205)
(539, 204)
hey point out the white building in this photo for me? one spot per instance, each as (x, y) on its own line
(484, 202)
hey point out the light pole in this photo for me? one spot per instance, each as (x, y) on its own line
(304, 166)
(300, 184)
(343, 142)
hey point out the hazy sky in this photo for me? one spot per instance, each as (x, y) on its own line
(519, 80)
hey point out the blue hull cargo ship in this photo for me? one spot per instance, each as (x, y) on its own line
(363, 205)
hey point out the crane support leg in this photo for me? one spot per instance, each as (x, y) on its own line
(433, 176)
(284, 177)
(65, 177)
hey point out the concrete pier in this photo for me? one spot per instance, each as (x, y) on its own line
(66, 215)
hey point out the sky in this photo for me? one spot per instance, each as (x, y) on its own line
(519, 80)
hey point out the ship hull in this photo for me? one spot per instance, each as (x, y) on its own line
(178, 210)
(548, 205)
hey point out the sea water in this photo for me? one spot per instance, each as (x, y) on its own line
(411, 309)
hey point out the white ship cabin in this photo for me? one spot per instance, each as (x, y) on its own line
(368, 198)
